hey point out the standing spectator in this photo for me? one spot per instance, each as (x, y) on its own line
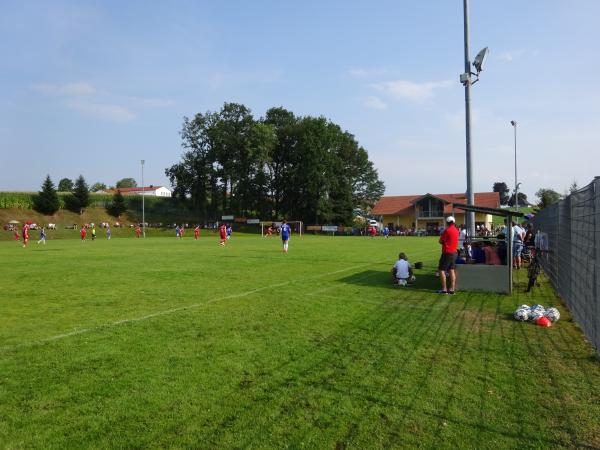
(449, 242)
(42, 235)
(518, 236)
(285, 235)
(196, 232)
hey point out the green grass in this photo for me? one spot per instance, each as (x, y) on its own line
(165, 343)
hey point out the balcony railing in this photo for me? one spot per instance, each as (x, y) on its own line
(430, 214)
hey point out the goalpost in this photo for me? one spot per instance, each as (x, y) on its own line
(297, 227)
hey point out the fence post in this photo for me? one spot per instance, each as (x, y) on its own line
(596, 282)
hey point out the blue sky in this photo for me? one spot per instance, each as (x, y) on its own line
(93, 87)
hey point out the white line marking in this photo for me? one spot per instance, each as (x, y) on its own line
(168, 311)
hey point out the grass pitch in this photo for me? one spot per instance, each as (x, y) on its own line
(166, 343)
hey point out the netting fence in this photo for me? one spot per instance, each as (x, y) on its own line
(570, 230)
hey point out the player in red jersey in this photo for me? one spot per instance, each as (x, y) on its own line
(223, 234)
(25, 234)
(83, 233)
(196, 232)
(138, 231)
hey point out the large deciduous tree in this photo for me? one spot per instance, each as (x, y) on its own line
(126, 183)
(97, 187)
(65, 185)
(502, 189)
(47, 201)
(280, 166)
(547, 197)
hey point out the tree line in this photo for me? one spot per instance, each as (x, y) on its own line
(546, 196)
(279, 166)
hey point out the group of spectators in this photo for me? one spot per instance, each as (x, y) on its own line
(457, 248)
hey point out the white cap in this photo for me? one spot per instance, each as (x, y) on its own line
(450, 219)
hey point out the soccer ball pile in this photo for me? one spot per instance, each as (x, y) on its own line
(532, 313)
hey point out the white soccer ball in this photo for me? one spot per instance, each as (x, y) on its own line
(524, 307)
(535, 314)
(401, 282)
(521, 314)
(552, 314)
(413, 278)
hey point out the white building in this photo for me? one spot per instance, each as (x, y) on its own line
(154, 191)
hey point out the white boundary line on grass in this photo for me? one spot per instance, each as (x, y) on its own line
(9, 348)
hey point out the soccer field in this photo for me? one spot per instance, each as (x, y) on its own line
(167, 343)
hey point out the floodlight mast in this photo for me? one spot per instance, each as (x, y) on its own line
(465, 79)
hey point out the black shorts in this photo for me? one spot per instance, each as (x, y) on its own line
(447, 261)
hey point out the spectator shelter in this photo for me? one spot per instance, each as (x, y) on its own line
(483, 277)
(427, 212)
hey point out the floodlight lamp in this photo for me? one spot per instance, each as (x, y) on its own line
(480, 59)
(513, 123)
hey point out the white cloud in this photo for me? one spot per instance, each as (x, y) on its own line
(115, 113)
(511, 55)
(375, 103)
(85, 98)
(366, 73)
(69, 89)
(408, 90)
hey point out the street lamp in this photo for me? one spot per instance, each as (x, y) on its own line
(514, 124)
(143, 203)
(465, 79)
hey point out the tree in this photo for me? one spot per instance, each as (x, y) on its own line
(117, 206)
(281, 166)
(547, 197)
(97, 187)
(126, 183)
(80, 196)
(47, 201)
(573, 187)
(65, 185)
(522, 200)
(502, 189)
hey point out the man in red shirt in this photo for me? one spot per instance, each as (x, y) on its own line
(449, 241)
(196, 232)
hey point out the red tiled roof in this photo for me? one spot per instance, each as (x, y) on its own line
(404, 204)
(129, 190)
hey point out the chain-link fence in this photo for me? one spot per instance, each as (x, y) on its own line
(570, 231)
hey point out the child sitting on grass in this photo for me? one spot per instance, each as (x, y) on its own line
(402, 272)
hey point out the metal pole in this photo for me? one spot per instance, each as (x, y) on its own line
(470, 215)
(143, 203)
(514, 124)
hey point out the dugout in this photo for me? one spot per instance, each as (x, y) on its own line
(483, 277)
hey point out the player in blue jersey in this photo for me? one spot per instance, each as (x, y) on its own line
(285, 235)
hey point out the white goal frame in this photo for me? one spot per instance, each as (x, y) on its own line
(277, 223)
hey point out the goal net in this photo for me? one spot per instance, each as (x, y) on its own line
(296, 226)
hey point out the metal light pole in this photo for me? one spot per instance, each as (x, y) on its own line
(514, 124)
(143, 203)
(470, 216)
(465, 79)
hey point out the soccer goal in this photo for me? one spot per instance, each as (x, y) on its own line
(297, 227)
